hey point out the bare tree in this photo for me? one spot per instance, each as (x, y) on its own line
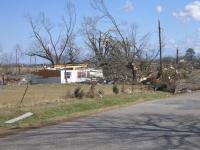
(18, 56)
(127, 49)
(6, 62)
(96, 40)
(104, 46)
(48, 46)
(123, 40)
(72, 52)
(100, 5)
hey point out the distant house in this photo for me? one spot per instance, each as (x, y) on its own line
(79, 73)
(69, 73)
(182, 60)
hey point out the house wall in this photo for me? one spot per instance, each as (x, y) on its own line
(94, 73)
(74, 77)
(41, 80)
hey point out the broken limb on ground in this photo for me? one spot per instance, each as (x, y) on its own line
(174, 81)
(191, 83)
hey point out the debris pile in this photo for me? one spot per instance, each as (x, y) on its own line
(173, 80)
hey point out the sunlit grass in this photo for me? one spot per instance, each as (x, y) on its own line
(75, 108)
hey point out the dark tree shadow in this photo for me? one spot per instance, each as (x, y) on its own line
(145, 131)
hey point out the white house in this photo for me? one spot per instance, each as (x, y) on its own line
(79, 73)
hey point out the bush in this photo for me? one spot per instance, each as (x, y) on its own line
(101, 93)
(115, 89)
(91, 92)
(69, 94)
(123, 88)
(79, 93)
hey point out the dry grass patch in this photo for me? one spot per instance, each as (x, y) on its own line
(50, 104)
(10, 96)
(76, 108)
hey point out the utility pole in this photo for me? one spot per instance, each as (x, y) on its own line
(17, 52)
(177, 56)
(30, 60)
(35, 63)
(160, 49)
(16, 65)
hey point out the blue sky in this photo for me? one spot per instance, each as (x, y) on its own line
(180, 19)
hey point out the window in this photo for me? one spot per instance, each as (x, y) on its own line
(88, 74)
(82, 74)
(68, 75)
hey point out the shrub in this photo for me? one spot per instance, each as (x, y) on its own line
(79, 93)
(91, 92)
(115, 89)
(123, 88)
(100, 93)
(69, 94)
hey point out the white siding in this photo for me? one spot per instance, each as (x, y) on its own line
(74, 75)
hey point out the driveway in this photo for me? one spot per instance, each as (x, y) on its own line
(172, 123)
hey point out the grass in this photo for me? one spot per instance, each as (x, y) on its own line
(55, 112)
(10, 96)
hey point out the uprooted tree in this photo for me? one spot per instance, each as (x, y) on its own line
(118, 53)
(46, 44)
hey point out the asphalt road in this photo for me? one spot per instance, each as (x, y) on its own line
(158, 125)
